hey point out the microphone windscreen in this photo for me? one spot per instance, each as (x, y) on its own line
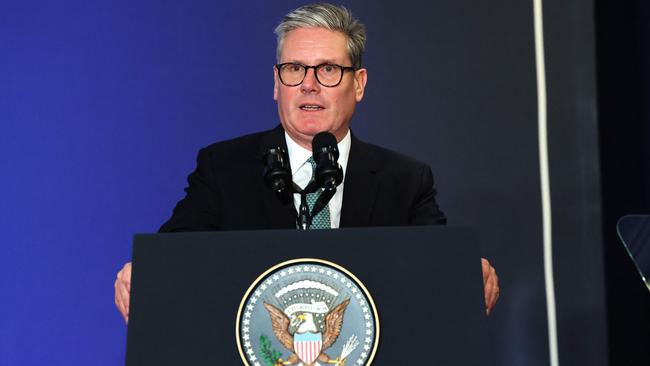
(321, 140)
(271, 141)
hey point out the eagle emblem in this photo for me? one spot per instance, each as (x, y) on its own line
(307, 312)
(307, 342)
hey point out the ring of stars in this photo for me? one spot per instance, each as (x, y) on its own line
(365, 340)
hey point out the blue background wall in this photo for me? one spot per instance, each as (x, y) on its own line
(103, 106)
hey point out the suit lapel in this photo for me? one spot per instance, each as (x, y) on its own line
(361, 185)
(279, 216)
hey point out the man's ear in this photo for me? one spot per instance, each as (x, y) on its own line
(276, 84)
(360, 80)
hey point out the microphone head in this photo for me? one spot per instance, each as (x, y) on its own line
(324, 142)
(272, 140)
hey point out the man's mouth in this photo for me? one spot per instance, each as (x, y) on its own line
(311, 107)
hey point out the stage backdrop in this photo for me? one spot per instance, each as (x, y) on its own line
(104, 105)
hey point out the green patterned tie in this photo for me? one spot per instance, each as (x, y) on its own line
(322, 219)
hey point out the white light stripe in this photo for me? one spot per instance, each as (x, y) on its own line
(545, 182)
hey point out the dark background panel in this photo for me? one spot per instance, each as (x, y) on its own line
(623, 36)
(575, 177)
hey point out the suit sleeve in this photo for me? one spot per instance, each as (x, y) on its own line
(199, 210)
(425, 210)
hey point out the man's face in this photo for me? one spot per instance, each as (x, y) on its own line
(315, 46)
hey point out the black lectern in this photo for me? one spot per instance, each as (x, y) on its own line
(426, 284)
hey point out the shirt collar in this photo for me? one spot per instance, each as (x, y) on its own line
(298, 155)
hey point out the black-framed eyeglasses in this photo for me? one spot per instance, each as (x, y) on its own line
(328, 75)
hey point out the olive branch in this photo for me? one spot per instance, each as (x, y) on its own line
(269, 355)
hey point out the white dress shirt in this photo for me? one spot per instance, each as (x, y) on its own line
(301, 172)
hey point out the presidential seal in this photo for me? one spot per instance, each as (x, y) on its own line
(307, 312)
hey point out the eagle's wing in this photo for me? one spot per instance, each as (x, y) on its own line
(280, 322)
(333, 323)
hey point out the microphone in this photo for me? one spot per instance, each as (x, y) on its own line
(329, 173)
(277, 173)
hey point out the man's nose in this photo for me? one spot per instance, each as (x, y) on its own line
(310, 84)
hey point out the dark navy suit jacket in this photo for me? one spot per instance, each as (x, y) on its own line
(227, 191)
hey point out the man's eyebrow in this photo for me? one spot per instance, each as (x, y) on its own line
(318, 62)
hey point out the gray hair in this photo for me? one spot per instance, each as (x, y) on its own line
(328, 16)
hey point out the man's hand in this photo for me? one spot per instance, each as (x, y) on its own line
(490, 283)
(123, 290)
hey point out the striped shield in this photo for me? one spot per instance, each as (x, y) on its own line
(307, 346)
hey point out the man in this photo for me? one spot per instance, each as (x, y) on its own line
(318, 81)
